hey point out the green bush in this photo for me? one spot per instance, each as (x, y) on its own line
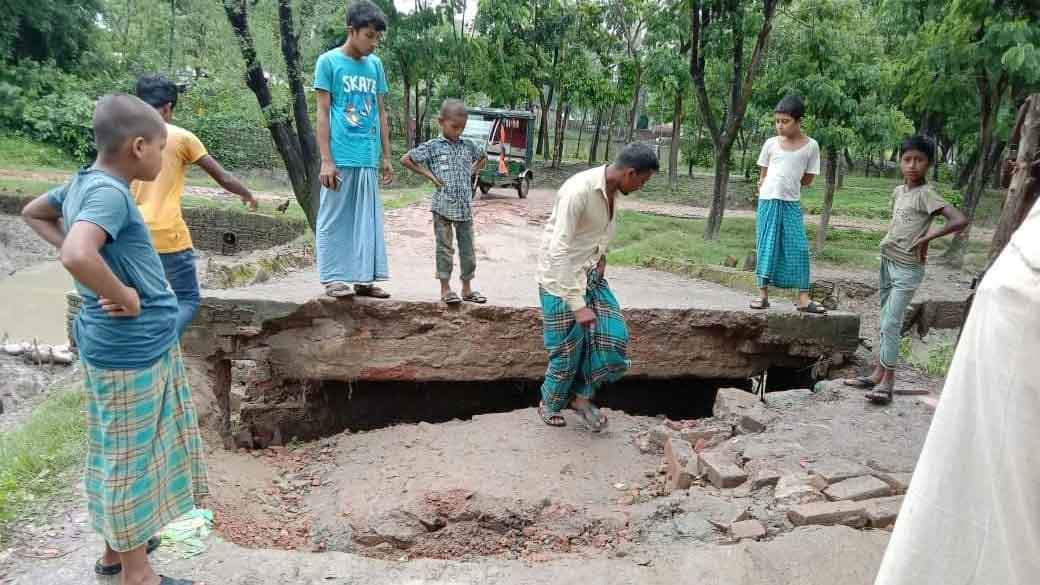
(42, 103)
(227, 120)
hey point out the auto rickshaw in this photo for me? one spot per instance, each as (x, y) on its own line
(505, 135)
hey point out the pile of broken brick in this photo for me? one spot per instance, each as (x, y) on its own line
(829, 491)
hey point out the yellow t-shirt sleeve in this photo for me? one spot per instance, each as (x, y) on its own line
(191, 148)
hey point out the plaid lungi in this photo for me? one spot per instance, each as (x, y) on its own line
(581, 360)
(144, 453)
(782, 248)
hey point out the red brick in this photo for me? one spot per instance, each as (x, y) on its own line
(721, 469)
(681, 461)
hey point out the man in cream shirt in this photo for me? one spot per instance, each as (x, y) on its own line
(584, 331)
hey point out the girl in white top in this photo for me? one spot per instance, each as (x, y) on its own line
(788, 161)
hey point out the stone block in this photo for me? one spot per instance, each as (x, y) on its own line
(835, 469)
(722, 513)
(847, 513)
(763, 473)
(756, 420)
(721, 469)
(747, 529)
(795, 489)
(712, 432)
(882, 512)
(898, 482)
(660, 434)
(732, 402)
(681, 462)
(858, 488)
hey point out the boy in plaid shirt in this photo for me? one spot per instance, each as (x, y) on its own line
(449, 161)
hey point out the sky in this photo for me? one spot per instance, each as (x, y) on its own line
(409, 5)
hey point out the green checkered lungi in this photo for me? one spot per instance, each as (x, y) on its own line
(781, 246)
(581, 360)
(144, 452)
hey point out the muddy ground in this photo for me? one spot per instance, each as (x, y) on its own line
(505, 493)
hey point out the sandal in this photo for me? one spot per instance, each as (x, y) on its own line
(594, 420)
(813, 308)
(452, 298)
(553, 419)
(116, 568)
(862, 382)
(882, 397)
(760, 304)
(475, 297)
(338, 290)
(370, 290)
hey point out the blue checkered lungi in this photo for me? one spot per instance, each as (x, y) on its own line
(144, 452)
(782, 247)
(581, 360)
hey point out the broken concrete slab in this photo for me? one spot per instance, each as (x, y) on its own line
(898, 482)
(682, 464)
(747, 529)
(847, 513)
(835, 469)
(709, 432)
(766, 472)
(794, 489)
(743, 409)
(787, 399)
(721, 469)
(882, 512)
(716, 510)
(858, 488)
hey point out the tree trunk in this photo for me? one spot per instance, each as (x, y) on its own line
(1025, 184)
(673, 149)
(304, 130)
(843, 170)
(409, 140)
(990, 104)
(967, 170)
(418, 119)
(594, 147)
(718, 194)
(561, 133)
(581, 130)
(996, 153)
(285, 139)
(634, 116)
(542, 148)
(173, 27)
(610, 132)
(828, 198)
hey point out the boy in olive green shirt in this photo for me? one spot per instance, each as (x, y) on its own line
(904, 251)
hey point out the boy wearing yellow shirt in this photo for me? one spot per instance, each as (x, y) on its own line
(160, 200)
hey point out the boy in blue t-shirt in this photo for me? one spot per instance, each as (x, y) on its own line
(144, 453)
(354, 140)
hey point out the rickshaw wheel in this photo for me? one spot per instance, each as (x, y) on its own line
(523, 187)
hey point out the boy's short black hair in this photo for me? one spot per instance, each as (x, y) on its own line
(791, 105)
(920, 143)
(637, 156)
(363, 13)
(157, 91)
(119, 117)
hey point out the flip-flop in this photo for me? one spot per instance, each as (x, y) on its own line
(760, 304)
(475, 297)
(813, 308)
(338, 290)
(591, 416)
(452, 298)
(862, 382)
(370, 290)
(116, 568)
(882, 397)
(553, 419)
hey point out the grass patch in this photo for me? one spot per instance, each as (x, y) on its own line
(18, 152)
(933, 359)
(641, 236)
(50, 442)
(28, 187)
